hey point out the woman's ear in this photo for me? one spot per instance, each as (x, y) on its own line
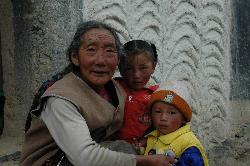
(117, 66)
(74, 58)
(118, 62)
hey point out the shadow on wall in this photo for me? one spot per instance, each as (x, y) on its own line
(240, 82)
(240, 90)
(240, 52)
(2, 98)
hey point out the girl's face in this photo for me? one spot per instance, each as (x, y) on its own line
(138, 70)
(97, 58)
(166, 118)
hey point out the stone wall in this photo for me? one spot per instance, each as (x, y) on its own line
(35, 37)
(7, 52)
(194, 39)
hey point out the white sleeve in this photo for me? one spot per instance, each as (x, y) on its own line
(71, 134)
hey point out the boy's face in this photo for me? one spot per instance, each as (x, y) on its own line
(166, 118)
(138, 70)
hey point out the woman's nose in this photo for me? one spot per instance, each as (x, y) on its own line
(100, 58)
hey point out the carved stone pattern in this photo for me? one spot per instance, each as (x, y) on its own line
(192, 37)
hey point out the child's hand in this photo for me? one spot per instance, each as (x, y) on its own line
(140, 145)
(142, 142)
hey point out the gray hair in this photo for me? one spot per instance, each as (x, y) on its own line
(85, 27)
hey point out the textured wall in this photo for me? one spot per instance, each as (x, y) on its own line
(193, 41)
(192, 37)
(35, 37)
(8, 60)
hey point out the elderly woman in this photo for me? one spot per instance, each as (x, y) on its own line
(85, 104)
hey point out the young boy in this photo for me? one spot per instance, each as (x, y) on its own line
(171, 113)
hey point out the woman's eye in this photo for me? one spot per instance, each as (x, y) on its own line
(91, 49)
(110, 50)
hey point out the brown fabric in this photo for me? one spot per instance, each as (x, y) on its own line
(40, 146)
(59, 159)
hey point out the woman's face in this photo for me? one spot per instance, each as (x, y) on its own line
(138, 70)
(97, 57)
(166, 118)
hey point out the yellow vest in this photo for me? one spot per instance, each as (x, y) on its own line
(177, 141)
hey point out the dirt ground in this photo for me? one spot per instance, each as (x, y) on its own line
(10, 148)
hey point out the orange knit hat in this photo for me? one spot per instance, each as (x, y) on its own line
(176, 94)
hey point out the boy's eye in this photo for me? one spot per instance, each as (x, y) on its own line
(172, 112)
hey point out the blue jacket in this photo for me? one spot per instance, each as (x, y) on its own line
(190, 157)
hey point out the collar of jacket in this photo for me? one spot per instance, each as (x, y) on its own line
(168, 138)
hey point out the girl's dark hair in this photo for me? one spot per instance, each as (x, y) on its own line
(74, 47)
(135, 47)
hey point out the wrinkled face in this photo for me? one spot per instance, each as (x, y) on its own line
(97, 57)
(166, 118)
(138, 70)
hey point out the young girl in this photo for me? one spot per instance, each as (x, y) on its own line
(171, 111)
(136, 67)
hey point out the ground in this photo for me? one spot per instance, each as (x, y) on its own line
(10, 150)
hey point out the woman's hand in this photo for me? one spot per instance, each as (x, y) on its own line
(154, 160)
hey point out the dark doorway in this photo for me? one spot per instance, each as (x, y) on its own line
(2, 97)
(241, 51)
